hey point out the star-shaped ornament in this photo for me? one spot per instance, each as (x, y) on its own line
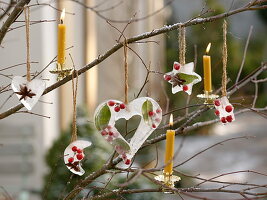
(182, 77)
(25, 92)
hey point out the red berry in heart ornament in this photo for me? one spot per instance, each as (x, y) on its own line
(158, 110)
(103, 133)
(117, 109)
(217, 103)
(122, 106)
(111, 103)
(229, 118)
(167, 77)
(153, 125)
(127, 162)
(151, 113)
(74, 148)
(71, 159)
(79, 156)
(185, 88)
(223, 120)
(110, 133)
(217, 112)
(228, 108)
(176, 66)
(79, 150)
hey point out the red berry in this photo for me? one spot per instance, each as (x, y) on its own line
(176, 66)
(217, 112)
(117, 109)
(124, 157)
(151, 113)
(71, 159)
(229, 118)
(79, 156)
(111, 103)
(110, 133)
(74, 148)
(223, 120)
(185, 88)
(127, 162)
(153, 125)
(158, 110)
(217, 103)
(122, 106)
(167, 77)
(228, 108)
(103, 133)
(79, 150)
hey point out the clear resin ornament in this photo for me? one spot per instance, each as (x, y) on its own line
(73, 156)
(28, 92)
(224, 110)
(182, 77)
(110, 111)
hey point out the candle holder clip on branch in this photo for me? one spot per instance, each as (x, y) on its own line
(61, 70)
(208, 96)
(167, 178)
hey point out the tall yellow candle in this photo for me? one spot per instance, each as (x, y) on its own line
(170, 139)
(61, 40)
(207, 70)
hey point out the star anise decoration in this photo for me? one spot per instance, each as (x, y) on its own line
(74, 166)
(25, 92)
(176, 80)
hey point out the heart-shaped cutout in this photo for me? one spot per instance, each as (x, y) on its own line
(110, 111)
(28, 92)
(73, 155)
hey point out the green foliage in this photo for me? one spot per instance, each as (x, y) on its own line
(59, 181)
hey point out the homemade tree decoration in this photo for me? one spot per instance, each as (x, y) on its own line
(28, 91)
(223, 109)
(182, 77)
(61, 70)
(111, 111)
(73, 154)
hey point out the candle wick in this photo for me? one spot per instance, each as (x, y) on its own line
(61, 21)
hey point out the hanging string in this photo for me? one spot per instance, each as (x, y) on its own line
(27, 25)
(224, 54)
(126, 86)
(182, 45)
(74, 116)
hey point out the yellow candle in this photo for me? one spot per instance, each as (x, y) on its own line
(170, 139)
(61, 39)
(207, 70)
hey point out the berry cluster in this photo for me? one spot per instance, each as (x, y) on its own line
(155, 117)
(224, 110)
(78, 153)
(110, 133)
(123, 154)
(117, 106)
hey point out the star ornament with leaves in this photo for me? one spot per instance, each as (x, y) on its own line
(182, 77)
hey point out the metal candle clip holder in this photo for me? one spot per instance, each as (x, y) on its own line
(61, 71)
(168, 180)
(208, 96)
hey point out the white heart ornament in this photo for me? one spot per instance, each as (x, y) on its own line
(110, 111)
(73, 155)
(35, 89)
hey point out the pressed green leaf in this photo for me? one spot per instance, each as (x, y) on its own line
(102, 118)
(146, 107)
(187, 77)
(120, 142)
